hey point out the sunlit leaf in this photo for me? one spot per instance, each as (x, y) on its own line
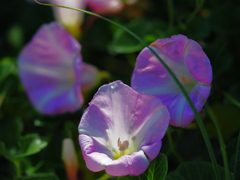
(27, 145)
(30, 144)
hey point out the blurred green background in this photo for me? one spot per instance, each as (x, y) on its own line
(31, 143)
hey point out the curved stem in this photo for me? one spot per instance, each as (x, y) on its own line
(221, 141)
(179, 84)
(230, 98)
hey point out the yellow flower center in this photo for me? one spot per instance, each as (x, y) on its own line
(123, 148)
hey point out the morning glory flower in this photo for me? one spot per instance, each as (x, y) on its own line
(108, 6)
(68, 18)
(69, 158)
(52, 72)
(121, 130)
(191, 66)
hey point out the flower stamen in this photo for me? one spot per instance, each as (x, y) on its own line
(186, 79)
(122, 146)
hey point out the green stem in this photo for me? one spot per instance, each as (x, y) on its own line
(221, 141)
(179, 84)
(170, 14)
(236, 159)
(105, 177)
(230, 98)
(17, 164)
(172, 147)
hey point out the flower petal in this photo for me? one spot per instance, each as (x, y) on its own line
(70, 19)
(89, 76)
(133, 164)
(152, 150)
(95, 154)
(199, 96)
(198, 63)
(149, 124)
(46, 68)
(69, 158)
(105, 6)
(118, 113)
(191, 66)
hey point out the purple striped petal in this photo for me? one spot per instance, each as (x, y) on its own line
(191, 66)
(47, 68)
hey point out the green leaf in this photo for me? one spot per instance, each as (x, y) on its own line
(197, 170)
(158, 168)
(175, 176)
(123, 42)
(15, 36)
(141, 177)
(40, 176)
(6, 67)
(30, 144)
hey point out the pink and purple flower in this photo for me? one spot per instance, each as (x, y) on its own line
(121, 131)
(108, 6)
(52, 72)
(191, 66)
(68, 18)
